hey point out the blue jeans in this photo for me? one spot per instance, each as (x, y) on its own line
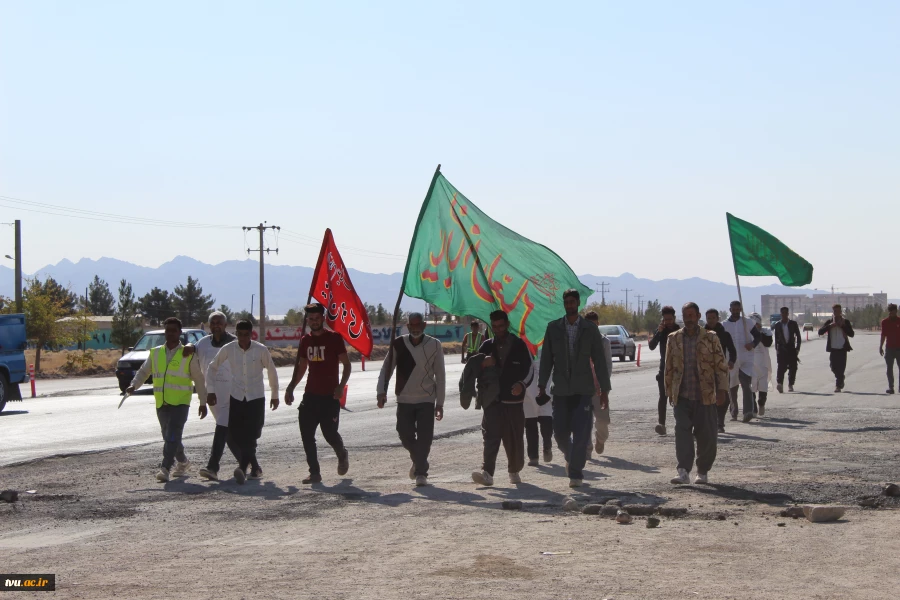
(573, 419)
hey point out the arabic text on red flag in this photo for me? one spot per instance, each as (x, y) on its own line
(344, 311)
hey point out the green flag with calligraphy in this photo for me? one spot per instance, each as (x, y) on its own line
(757, 252)
(466, 263)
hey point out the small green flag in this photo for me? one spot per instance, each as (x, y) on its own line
(756, 252)
(469, 265)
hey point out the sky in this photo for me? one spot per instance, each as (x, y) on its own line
(618, 134)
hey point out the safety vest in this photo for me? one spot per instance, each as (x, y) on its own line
(171, 380)
(477, 339)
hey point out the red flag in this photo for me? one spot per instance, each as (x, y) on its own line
(344, 311)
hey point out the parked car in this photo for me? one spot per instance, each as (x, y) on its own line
(129, 364)
(621, 343)
(808, 327)
(12, 357)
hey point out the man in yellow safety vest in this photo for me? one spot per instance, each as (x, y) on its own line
(472, 341)
(174, 376)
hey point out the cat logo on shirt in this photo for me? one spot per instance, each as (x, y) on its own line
(315, 353)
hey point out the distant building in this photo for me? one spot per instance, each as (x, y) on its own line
(819, 304)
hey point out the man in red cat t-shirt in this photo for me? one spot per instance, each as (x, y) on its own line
(321, 351)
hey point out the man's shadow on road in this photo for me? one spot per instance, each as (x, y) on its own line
(732, 492)
(730, 437)
(257, 488)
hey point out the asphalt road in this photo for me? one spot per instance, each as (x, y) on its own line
(80, 415)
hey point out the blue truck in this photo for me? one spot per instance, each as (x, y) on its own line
(12, 357)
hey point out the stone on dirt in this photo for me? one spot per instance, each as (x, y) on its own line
(623, 518)
(640, 510)
(823, 514)
(892, 489)
(672, 511)
(592, 509)
(652, 522)
(793, 512)
(570, 504)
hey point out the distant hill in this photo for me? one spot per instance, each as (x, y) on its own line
(232, 283)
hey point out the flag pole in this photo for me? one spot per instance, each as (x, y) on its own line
(412, 242)
(737, 280)
(312, 284)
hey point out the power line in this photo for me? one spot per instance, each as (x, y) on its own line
(626, 297)
(262, 280)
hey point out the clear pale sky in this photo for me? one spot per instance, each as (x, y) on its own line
(616, 133)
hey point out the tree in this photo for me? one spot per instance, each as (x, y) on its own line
(246, 315)
(100, 301)
(126, 324)
(866, 318)
(156, 306)
(294, 317)
(229, 314)
(652, 315)
(65, 299)
(611, 314)
(81, 327)
(7, 305)
(190, 304)
(44, 307)
(381, 315)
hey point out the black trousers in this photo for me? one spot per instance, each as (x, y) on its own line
(531, 434)
(503, 423)
(695, 421)
(245, 423)
(838, 361)
(663, 405)
(415, 426)
(171, 423)
(319, 411)
(787, 361)
(221, 437)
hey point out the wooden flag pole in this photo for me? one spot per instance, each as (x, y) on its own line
(412, 242)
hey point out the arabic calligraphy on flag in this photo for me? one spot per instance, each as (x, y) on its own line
(345, 312)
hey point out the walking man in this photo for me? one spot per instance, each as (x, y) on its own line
(246, 360)
(320, 351)
(762, 367)
(696, 380)
(839, 332)
(503, 419)
(420, 387)
(538, 421)
(174, 378)
(787, 349)
(472, 341)
(573, 352)
(660, 337)
(600, 409)
(206, 350)
(746, 339)
(712, 324)
(890, 333)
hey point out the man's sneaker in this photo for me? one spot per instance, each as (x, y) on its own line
(239, 475)
(344, 463)
(514, 478)
(790, 388)
(681, 478)
(660, 429)
(533, 462)
(163, 475)
(412, 472)
(574, 483)
(208, 474)
(255, 473)
(181, 468)
(762, 410)
(780, 387)
(548, 455)
(889, 391)
(312, 479)
(600, 447)
(837, 390)
(482, 478)
(721, 430)
(421, 480)
(701, 478)
(747, 417)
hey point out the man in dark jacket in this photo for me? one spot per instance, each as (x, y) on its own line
(666, 326)
(787, 349)
(503, 421)
(712, 324)
(839, 332)
(571, 346)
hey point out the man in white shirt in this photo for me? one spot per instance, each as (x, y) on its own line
(247, 359)
(207, 349)
(746, 338)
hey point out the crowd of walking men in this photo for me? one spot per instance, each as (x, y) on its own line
(702, 373)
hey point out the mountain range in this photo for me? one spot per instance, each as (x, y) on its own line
(233, 282)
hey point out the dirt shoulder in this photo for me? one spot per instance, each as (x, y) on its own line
(107, 529)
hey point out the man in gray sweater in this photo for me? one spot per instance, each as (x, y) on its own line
(420, 387)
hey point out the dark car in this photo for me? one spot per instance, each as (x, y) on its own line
(129, 364)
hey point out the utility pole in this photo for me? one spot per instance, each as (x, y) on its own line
(640, 303)
(262, 274)
(603, 285)
(18, 266)
(626, 297)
